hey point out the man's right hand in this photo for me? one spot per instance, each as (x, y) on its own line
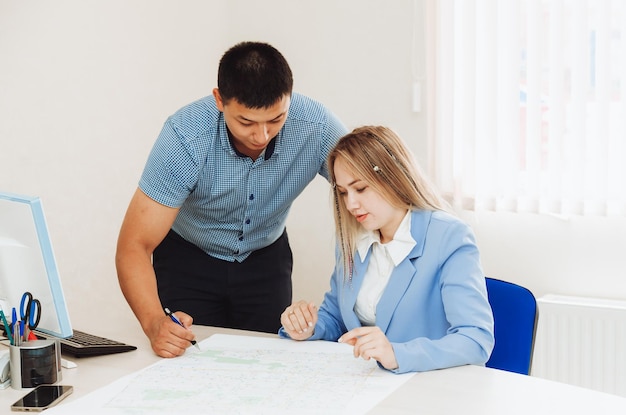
(167, 338)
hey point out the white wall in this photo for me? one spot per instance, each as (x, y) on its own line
(86, 85)
(580, 256)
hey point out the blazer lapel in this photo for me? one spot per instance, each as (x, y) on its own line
(404, 273)
(399, 281)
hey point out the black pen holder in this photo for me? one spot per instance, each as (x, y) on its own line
(34, 363)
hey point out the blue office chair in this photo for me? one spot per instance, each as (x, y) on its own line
(515, 324)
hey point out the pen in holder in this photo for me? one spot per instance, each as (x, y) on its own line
(34, 363)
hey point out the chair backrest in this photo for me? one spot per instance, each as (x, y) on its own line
(515, 324)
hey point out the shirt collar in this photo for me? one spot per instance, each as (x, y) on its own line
(267, 152)
(398, 248)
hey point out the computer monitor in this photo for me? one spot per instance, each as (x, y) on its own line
(27, 263)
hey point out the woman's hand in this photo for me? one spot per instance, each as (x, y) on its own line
(299, 320)
(371, 343)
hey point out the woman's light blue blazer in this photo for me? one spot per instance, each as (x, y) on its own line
(434, 310)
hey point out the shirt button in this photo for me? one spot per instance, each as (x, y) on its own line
(241, 238)
(251, 197)
(247, 221)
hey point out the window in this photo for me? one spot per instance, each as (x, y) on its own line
(530, 112)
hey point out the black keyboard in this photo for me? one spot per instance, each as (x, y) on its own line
(83, 344)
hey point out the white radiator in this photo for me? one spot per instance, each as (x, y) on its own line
(582, 341)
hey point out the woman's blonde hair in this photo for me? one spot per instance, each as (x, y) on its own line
(379, 157)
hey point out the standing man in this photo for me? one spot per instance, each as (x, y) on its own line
(205, 230)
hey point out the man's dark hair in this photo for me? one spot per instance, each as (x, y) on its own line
(255, 74)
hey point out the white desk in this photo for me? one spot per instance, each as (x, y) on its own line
(461, 390)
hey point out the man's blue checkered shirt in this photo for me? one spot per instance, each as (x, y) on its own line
(231, 205)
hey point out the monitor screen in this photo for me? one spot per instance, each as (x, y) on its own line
(27, 263)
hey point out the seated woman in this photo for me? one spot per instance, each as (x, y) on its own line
(408, 289)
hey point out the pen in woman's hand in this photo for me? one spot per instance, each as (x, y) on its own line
(177, 321)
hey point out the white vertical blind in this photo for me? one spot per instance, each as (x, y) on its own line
(485, 103)
(530, 112)
(530, 192)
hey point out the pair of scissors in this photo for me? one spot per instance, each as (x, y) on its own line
(30, 311)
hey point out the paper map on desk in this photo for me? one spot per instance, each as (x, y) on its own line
(248, 375)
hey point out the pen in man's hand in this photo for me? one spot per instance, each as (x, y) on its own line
(177, 321)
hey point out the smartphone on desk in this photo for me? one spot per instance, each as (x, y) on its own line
(42, 397)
